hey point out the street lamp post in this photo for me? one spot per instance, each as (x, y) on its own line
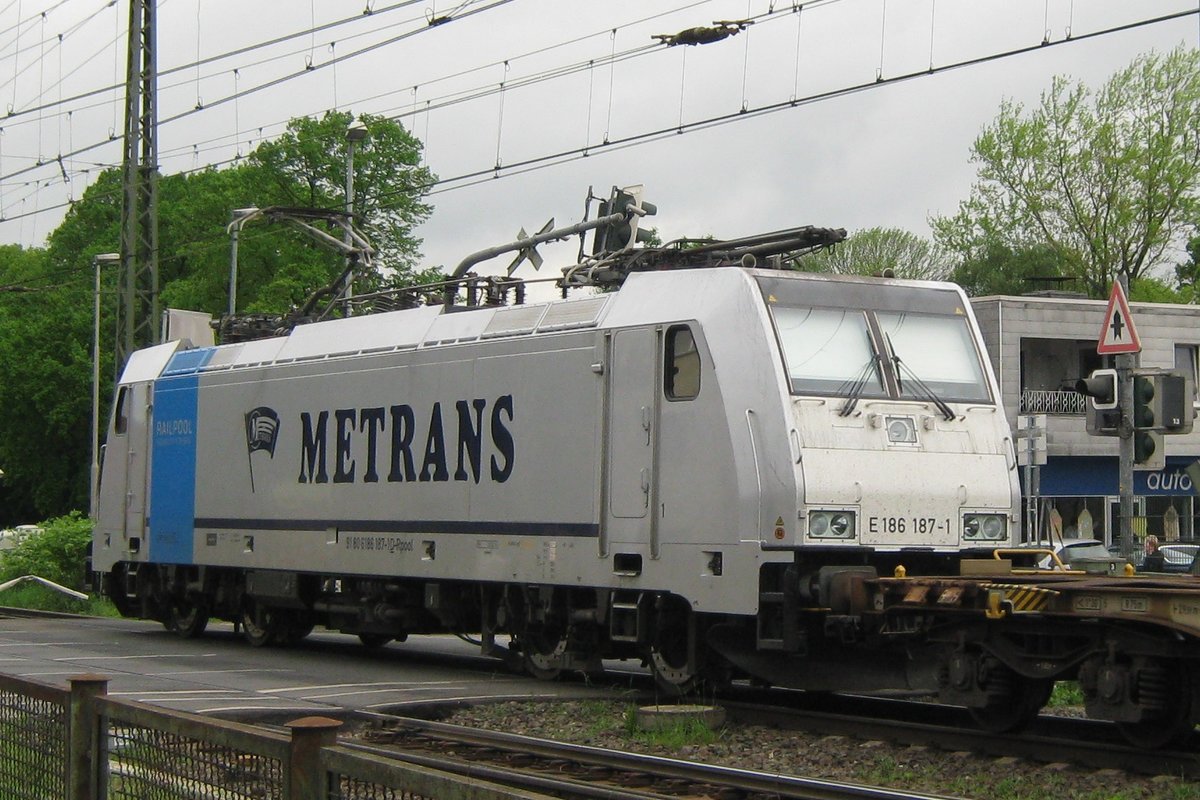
(354, 134)
(103, 258)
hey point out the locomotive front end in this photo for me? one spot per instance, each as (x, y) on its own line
(900, 443)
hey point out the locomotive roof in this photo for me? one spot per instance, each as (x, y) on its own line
(432, 326)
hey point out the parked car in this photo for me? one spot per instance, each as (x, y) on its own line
(1089, 555)
(1178, 557)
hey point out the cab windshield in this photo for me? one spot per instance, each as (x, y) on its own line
(863, 339)
(935, 350)
(827, 349)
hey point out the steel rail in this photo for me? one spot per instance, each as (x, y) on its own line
(1084, 742)
(662, 769)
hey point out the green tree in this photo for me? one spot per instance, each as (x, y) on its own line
(306, 166)
(1106, 179)
(1187, 274)
(45, 385)
(999, 269)
(46, 295)
(875, 251)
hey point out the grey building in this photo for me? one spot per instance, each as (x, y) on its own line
(1039, 346)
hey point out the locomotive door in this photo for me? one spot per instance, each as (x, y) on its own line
(632, 432)
(122, 501)
(137, 460)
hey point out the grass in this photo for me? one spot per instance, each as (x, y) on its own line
(34, 596)
(686, 732)
(1066, 694)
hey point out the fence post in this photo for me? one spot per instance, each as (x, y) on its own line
(306, 774)
(85, 743)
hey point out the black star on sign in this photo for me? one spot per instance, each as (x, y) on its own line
(1117, 326)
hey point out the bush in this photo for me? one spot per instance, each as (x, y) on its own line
(58, 552)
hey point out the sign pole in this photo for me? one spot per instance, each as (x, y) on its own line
(1125, 364)
(1119, 339)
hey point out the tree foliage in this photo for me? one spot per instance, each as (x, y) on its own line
(46, 295)
(875, 251)
(997, 268)
(1106, 179)
(306, 166)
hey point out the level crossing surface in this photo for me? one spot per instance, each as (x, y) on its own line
(220, 675)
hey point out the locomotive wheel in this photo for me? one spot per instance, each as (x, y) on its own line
(542, 653)
(186, 620)
(668, 659)
(374, 641)
(296, 626)
(260, 625)
(1014, 708)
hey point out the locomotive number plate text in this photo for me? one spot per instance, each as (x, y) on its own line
(919, 525)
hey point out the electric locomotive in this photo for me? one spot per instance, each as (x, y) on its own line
(698, 470)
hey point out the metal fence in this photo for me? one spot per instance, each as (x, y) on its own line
(80, 744)
(1042, 401)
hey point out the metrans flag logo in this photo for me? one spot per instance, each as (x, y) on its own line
(262, 430)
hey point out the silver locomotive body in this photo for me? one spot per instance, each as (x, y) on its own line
(617, 476)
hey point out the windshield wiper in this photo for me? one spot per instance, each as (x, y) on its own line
(923, 389)
(854, 389)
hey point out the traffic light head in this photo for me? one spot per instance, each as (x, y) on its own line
(1148, 450)
(1145, 409)
(622, 234)
(1101, 387)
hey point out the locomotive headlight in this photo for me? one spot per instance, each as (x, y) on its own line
(831, 524)
(985, 527)
(901, 430)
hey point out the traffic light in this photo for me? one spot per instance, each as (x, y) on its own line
(1148, 450)
(1103, 415)
(623, 234)
(1162, 401)
(1145, 409)
(1101, 387)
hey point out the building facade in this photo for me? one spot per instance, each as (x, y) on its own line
(1039, 346)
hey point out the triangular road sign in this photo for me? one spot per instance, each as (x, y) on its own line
(1118, 334)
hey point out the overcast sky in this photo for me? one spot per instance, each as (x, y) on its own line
(889, 155)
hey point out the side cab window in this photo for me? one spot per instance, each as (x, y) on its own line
(121, 415)
(681, 373)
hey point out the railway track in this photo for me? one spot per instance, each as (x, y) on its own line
(1080, 742)
(580, 771)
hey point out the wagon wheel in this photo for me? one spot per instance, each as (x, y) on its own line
(260, 625)
(186, 619)
(1169, 687)
(1014, 701)
(543, 650)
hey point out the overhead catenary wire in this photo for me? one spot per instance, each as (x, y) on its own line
(471, 177)
(268, 84)
(429, 107)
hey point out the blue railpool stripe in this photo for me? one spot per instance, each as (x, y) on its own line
(173, 469)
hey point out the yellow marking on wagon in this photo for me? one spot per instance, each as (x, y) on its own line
(1023, 599)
